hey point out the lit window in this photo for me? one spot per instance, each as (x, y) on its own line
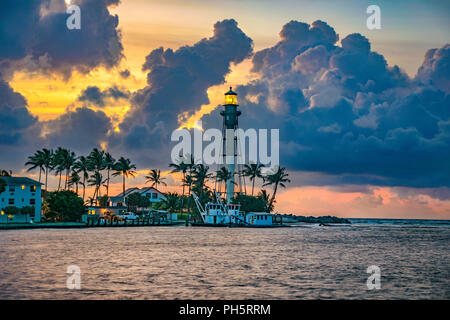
(23, 187)
(33, 188)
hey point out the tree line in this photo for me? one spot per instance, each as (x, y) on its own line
(95, 169)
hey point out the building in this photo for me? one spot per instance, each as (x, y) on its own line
(98, 212)
(152, 194)
(21, 192)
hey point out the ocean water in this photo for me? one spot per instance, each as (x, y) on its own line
(304, 262)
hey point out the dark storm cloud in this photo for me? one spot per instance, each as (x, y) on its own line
(79, 130)
(15, 118)
(343, 111)
(36, 30)
(34, 37)
(125, 74)
(97, 97)
(177, 84)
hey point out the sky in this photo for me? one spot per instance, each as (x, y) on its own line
(364, 115)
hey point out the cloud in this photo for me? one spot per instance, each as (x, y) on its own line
(34, 37)
(36, 30)
(125, 74)
(97, 97)
(79, 130)
(177, 84)
(343, 111)
(435, 68)
(15, 118)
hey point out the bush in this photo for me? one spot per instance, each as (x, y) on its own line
(63, 206)
(250, 203)
(136, 200)
(11, 211)
(27, 210)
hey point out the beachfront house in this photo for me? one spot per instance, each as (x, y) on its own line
(20, 192)
(152, 194)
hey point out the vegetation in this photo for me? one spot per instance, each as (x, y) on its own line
(136, 200)
(154, 177)
(253, 171)
(126, 169)
(27, 211)
(2, 185)
(74, 171)
(63, 206)
(278, 177)
(11, 211)
(98, 167)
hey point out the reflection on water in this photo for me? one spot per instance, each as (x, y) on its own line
(226, 263)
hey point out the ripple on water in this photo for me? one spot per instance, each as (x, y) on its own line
(226, 263)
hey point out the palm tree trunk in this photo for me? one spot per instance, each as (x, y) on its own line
(40, 170)
(123, 188)
(107, 185)
(46, 178)
(84, 186)
(273, 196)
(253, 185)
(59, 182)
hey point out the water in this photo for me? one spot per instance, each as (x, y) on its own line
(227, 263)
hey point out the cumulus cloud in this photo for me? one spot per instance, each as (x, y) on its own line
(435, 68)
(177, 84)
(97, 97)
(79, 130)
(15, 118)
(37, 30)
(342, 110)
(34, 37)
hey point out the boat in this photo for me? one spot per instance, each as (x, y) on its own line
(218, 214)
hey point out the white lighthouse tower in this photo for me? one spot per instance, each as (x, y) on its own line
(230, 116)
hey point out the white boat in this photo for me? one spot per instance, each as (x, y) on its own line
(220, 214)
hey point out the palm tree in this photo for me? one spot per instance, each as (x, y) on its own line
(187, 182)
(47, 159)
(154, 176)
(182, 167)
(36, 161)
(83, 165)
(253, 171)
(201, 176)
(265, 197)
(223, 175)
(96, 180)
(171, 202)
(5, 173)
(125, 168)
(58, 163)
(109, 162)
(74, 180)
(68, 162)
(277, 177)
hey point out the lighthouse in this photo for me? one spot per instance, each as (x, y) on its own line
(230, 116)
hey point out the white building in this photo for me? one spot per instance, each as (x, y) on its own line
(20, 192)
(152, 194)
